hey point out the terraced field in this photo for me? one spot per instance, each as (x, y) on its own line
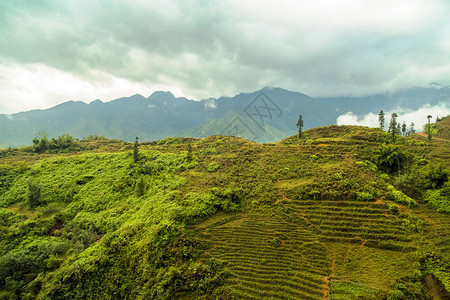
(270, 258)
(370, 224)
(439, 236)
(296, 253)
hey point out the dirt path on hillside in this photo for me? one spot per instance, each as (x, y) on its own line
(434, 138)
(325, 289)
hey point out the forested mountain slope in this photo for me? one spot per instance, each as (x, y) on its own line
(341, 213)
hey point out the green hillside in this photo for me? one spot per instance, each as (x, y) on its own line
(442, 128)
(237, 124)
(339, 214)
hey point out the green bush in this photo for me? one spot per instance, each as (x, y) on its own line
(141, 185)
(367, 165)
(439, 199)
(213, 167)
(389, 158)
(34, 193)
(435, 176)
(399, 197)
(362, 196)
(394, 209)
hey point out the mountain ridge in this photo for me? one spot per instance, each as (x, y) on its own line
(163, 115)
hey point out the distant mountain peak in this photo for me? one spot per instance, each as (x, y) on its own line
(97, 101)
(162, 95)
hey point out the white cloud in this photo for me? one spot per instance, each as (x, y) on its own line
(418, 117)
(201, 49)
(210, 104)
(38, 86)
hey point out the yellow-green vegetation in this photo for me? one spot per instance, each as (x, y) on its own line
(442, 128)
(337, 214)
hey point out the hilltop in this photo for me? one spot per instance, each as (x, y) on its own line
(341, 213)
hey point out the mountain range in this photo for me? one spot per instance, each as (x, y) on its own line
(267, 115)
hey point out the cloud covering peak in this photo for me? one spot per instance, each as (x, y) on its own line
(53, 51)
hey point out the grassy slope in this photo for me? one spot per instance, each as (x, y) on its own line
(300, 232)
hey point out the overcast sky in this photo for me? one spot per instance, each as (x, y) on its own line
(54, 51)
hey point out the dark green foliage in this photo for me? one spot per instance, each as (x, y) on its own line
(189, 155)
(196, 207)
(300, 125)
(34, 193)
(389, 158)
(393, 126)
(415, 180)
(19, 268)
(64, 142)
(394, 209)
(399, 197)
(136, 150)
(411, 183)
(141, 186)
(407, 290)
(381, 119)
(439, 199)
(436, 266)
(435, 176)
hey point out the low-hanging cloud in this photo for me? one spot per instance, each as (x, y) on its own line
(418, 117)
(201, 49)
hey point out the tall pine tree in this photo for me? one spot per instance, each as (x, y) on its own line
(300, 126)
(136, 150)
(381, 119)
(393, 126)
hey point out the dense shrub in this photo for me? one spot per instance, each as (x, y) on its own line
(362, 196)
(435, 176)
(439, 199)
(389, 158)
(34, 193)
(63, 142)
(140, 186)
(399, 197)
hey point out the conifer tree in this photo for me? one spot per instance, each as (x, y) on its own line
(429, 127)
(381, 119)
(411, 128)
(393, 126)
(189, 156)
(136, 150)
(404, 128)
(300, 126)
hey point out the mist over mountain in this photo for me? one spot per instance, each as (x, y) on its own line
(266, 115)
